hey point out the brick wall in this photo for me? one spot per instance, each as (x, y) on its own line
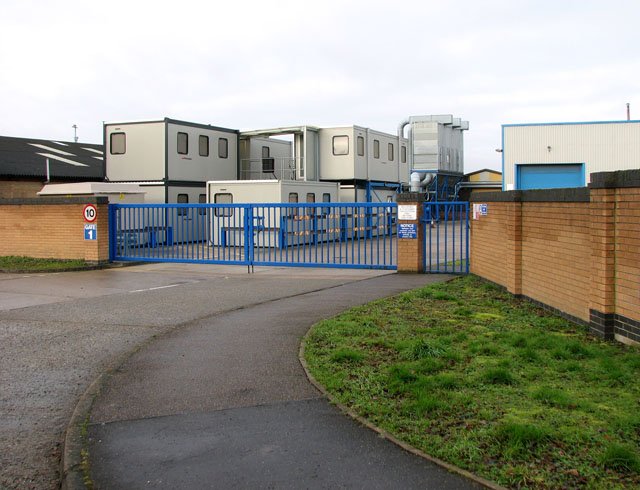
(53, 228)
(575, 251)
(410, 250)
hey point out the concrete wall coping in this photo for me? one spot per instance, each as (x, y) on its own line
(619, 178)
(574, 194)
(410, 197)
(40, 201)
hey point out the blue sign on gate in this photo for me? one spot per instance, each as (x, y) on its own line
(407, 230)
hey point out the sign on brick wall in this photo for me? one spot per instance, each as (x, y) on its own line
(407, 230)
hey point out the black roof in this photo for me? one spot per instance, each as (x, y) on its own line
(26, 157)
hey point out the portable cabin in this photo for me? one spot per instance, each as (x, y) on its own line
(172, 159)
(354, 153)
(276, 226)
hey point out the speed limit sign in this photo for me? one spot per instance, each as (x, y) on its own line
(90, 213)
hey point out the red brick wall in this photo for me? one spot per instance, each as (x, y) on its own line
(580, 256)
(556, 249)
(53, 229)
(627, 252)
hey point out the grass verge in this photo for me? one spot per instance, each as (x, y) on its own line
(14, 263)
(494, 385)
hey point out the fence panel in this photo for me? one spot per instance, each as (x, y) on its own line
(359, 235)
(446, 237)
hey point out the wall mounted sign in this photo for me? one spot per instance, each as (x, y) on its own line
(407, 230)
(407, 211)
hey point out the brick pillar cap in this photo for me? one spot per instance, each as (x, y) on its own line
(410, 197)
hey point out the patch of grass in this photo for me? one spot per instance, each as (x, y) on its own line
(619, 457)
(347, 355)
(490, 383)
(422, 349)
(521, 435)
(497, 376)
(15, 263)
(551, 396)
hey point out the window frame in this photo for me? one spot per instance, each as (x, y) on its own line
(333, 144)
(376, 149)
(360, 146)
(182, 211)
(124, 143)
(186, 143)
(201, 138)
(223, 212)
(390, 152)
(403, 154)
(221, 146)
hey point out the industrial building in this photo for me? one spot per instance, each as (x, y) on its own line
(26, 164)
(556, 155)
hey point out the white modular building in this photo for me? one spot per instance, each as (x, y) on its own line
(354, 153)
(276, 225)
(171, 159)
(556, 155)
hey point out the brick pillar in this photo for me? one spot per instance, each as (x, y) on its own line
(514, 246)
(602, 300)
(410, 250)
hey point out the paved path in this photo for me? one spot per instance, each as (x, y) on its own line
(222, 402)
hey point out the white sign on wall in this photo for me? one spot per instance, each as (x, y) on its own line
(407, 211)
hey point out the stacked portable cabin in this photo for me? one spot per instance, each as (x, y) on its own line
(171, 159)
(436, 154)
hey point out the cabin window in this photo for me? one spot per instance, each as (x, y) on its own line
(203, 144)
(183, 143)
(341, 145)
(223, 198)
(390, 151)
(118, 143)
(376, 149)
(202, 199)
(403, 154)
(266, 152)
(326, 197)
(223, 148)
(183, 199)
(293, 198)
(311, 198)
(360, 144)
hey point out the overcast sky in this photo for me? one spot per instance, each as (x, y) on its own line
(258, 64)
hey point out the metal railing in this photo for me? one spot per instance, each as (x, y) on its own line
(358, 235)
(279, 168)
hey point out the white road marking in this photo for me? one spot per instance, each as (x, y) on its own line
(152, 289)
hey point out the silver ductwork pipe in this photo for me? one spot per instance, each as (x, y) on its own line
(419, 181)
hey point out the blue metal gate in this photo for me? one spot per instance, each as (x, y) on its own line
(359, 235)
(446, 237)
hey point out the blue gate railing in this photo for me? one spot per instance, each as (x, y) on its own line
(357, 235)
(446, 237)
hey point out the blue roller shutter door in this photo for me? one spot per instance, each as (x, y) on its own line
(549, 176)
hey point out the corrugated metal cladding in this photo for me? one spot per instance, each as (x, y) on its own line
(601, 147)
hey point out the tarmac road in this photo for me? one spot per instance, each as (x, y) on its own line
(58, 332)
